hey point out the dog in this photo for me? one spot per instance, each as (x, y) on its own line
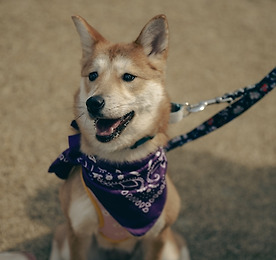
(118, 200)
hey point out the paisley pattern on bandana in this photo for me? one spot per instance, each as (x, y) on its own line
(133, 193)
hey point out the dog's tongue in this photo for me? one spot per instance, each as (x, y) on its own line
(106, 127)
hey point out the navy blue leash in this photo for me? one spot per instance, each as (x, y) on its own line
(244, 99)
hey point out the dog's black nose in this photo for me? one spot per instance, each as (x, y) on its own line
(94, 105)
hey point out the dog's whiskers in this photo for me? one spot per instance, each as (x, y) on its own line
(80, 115)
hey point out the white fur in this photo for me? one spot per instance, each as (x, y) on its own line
(184, 254)
(170, 252)
(60, 254)
(83, 215)
(123, 65)
(101, 63)
(65, 251)
(55, 252)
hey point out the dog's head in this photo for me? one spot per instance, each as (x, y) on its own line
(122, 97)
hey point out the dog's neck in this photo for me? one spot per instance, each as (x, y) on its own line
(134, 152)
(140, 149)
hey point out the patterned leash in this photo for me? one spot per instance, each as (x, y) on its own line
(240, 101)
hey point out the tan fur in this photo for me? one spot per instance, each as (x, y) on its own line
(146, 96)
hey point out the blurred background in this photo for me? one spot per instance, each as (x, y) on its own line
(226, 179)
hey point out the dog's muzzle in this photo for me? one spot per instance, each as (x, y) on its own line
(107, 129)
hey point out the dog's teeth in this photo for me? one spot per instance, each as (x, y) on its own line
(95, 122)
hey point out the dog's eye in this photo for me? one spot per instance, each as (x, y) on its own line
(93, 75)
(128, 77)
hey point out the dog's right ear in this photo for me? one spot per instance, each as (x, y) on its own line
(88, 35)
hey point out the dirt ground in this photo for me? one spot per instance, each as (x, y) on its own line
(226, 179)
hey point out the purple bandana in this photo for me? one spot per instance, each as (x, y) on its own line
(133, 193)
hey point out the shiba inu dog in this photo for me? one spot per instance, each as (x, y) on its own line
(118, 200)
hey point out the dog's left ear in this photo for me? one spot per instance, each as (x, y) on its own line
(154, 36)
(88, 35)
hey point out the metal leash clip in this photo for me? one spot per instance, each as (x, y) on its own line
(179, 111)
(203, 104)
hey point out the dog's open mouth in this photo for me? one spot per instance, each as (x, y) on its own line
(109, 129)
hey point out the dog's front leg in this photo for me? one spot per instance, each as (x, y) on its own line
(163, 247)
(82, 220)
(81, 230)
(79, 246)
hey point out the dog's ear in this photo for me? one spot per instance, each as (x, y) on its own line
(154, 36)
(88, 35)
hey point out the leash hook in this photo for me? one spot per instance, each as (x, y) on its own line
(179, 111)
(203, 104)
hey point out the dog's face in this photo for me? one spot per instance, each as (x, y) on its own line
(121, 97)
